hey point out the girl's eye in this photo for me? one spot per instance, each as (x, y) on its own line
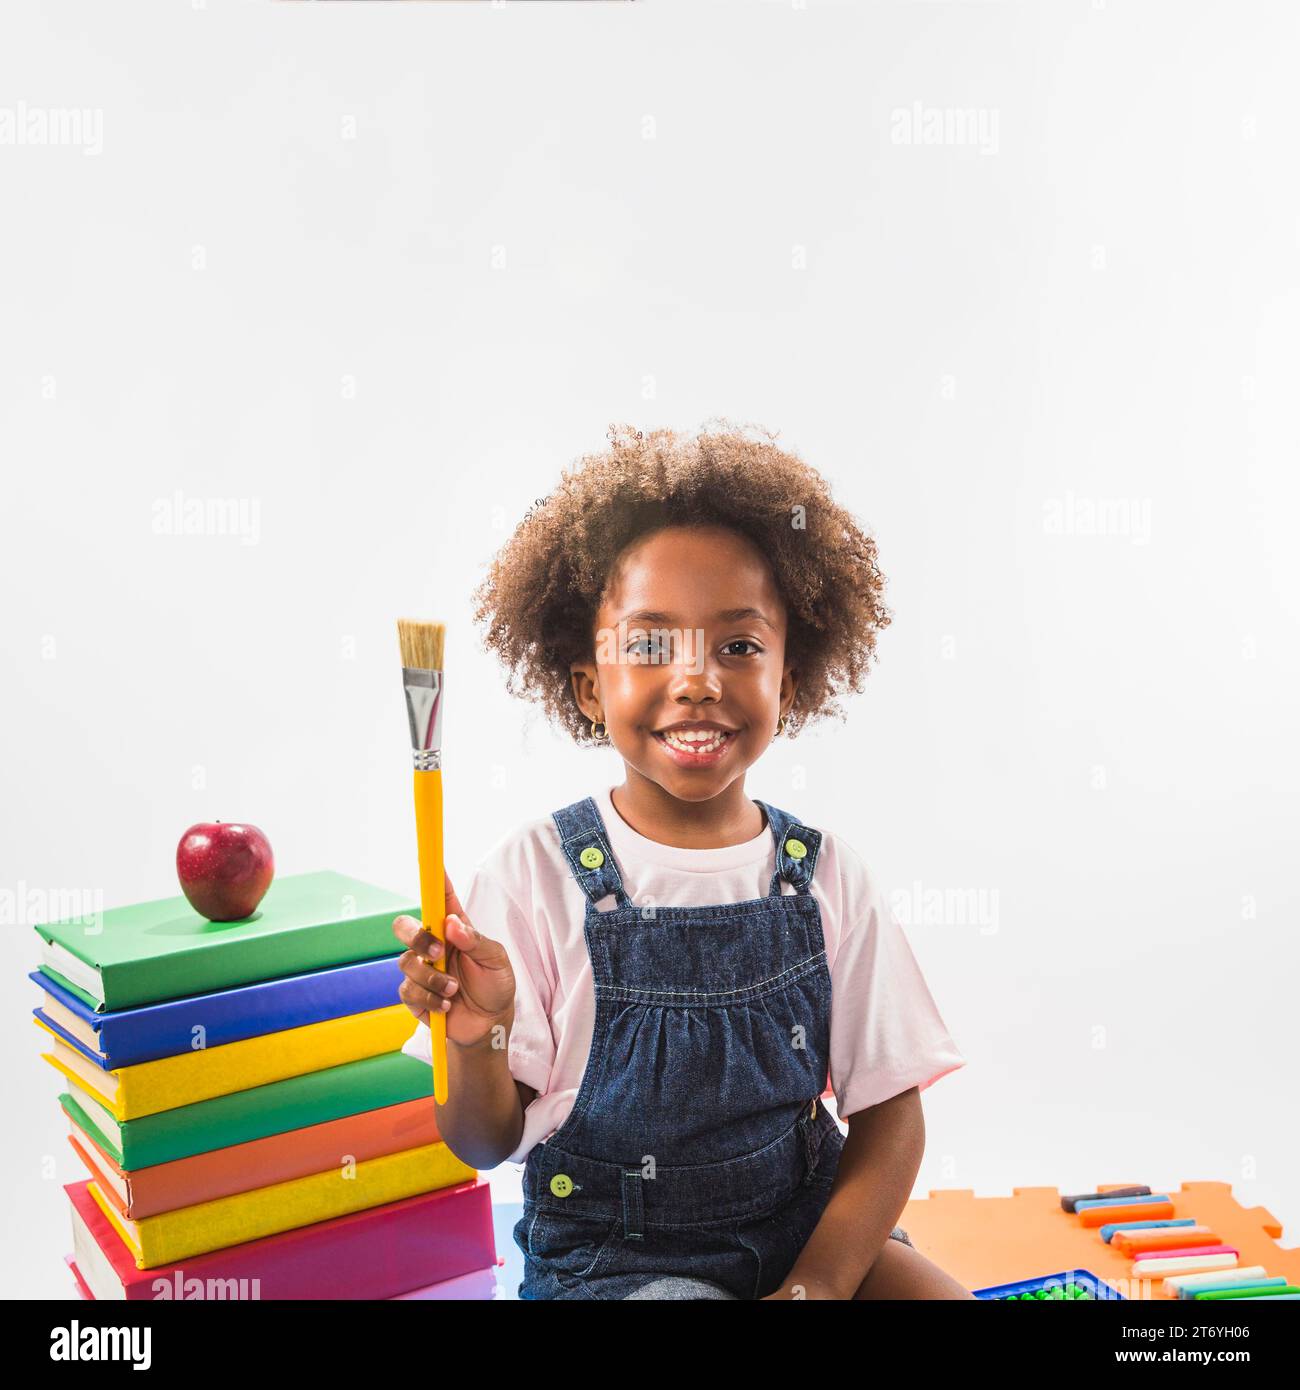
(655, 649)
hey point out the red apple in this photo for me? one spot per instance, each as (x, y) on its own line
(225, 869)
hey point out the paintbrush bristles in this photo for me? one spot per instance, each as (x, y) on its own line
(421, 643)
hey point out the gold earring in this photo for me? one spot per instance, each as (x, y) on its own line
(604, 732)
(780, 726)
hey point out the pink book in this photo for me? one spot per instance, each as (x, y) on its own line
(480, 1285)
(377, 1253)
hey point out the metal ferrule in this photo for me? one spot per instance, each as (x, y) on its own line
(424, 711)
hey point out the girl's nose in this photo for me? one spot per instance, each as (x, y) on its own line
(686, 684)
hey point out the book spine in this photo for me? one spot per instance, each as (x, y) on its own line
(149, 1088)
(372, 1254)
(292, 1104)
(261, 1162)
(154, 1031)
(267, 1211)
(210, 964)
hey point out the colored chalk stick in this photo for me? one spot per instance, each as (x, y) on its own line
(1068, 1203)
(1189, 1283)
(1281, 1297)
(1099, 1216)
(1187, 1250)
(1091, 1203)
(1286, 1291)
(1140, 1243)
(1112, 1228)
(1250, 1286)
(1246, 1286)
(1153, 1266)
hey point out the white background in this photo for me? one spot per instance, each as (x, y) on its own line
(377, 272)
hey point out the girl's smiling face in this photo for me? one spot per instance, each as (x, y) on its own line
(690, 640)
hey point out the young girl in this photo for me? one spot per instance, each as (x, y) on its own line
(647, 990)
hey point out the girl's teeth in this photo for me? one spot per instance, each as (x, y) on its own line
(708, 743)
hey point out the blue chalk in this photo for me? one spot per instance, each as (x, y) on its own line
(1111, 1227)
(1122, 1201)
(1263, 1281)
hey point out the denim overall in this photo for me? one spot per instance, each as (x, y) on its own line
(697, 1158)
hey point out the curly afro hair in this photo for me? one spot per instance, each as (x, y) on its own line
(544, 587)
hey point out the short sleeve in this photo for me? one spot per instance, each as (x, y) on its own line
(531, 1050)
(887, 1034)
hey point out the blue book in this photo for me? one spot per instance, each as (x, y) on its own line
(151, 1031)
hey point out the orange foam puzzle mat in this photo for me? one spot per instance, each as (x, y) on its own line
(984, 1241)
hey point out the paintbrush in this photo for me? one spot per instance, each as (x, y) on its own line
(422, 645)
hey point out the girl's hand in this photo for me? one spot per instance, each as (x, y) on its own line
(476, 991)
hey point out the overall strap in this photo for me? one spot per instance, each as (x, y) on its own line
(797, 847)
(586, 847)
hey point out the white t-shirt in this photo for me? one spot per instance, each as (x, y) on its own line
(886, 1032)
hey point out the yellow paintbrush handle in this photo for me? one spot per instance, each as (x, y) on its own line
(433, 904)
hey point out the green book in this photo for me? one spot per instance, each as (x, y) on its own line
(150, 952)
(299, 1101)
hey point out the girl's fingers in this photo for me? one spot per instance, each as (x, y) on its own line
(482, 950)
(409, 931)
(418, 1000)
(425, 975)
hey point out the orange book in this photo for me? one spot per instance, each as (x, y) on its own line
(296, 1153)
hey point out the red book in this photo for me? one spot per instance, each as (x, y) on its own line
(376, 1253)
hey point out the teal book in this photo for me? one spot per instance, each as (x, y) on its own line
(155, 951)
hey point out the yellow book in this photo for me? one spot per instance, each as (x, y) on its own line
(148, 1087)
(284, 1206)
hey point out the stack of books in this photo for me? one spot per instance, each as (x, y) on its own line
(237, 1094)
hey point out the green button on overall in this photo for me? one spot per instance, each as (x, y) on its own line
(796, 849)
(561, 1184)
(592, 858)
